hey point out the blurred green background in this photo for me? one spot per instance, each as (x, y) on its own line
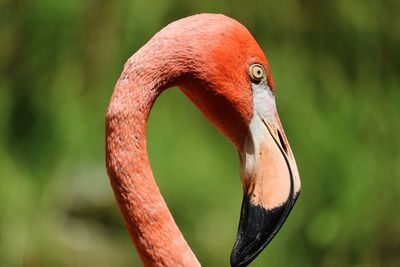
(336, 66)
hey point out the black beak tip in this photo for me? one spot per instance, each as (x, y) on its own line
(240, 260)
(235, 259)
(257, 227)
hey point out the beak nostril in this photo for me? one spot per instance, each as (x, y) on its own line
(281, 140)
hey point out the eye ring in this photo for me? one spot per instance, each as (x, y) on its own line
(257, 72)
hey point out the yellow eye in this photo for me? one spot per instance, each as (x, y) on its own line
(257, 72)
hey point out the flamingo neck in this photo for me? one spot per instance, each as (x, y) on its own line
(148, 220)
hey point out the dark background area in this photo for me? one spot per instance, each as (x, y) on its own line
(336, 68)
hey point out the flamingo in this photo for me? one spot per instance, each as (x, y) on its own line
(218, 65)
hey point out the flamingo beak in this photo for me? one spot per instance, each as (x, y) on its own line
(271, 185)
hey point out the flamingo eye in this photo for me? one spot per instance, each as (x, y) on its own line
(257, 73)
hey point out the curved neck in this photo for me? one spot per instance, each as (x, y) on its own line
(149, 222)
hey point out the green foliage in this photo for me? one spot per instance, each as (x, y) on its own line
(335, 64)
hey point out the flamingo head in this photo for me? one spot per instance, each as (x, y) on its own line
(218, 64)
(232, 85)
